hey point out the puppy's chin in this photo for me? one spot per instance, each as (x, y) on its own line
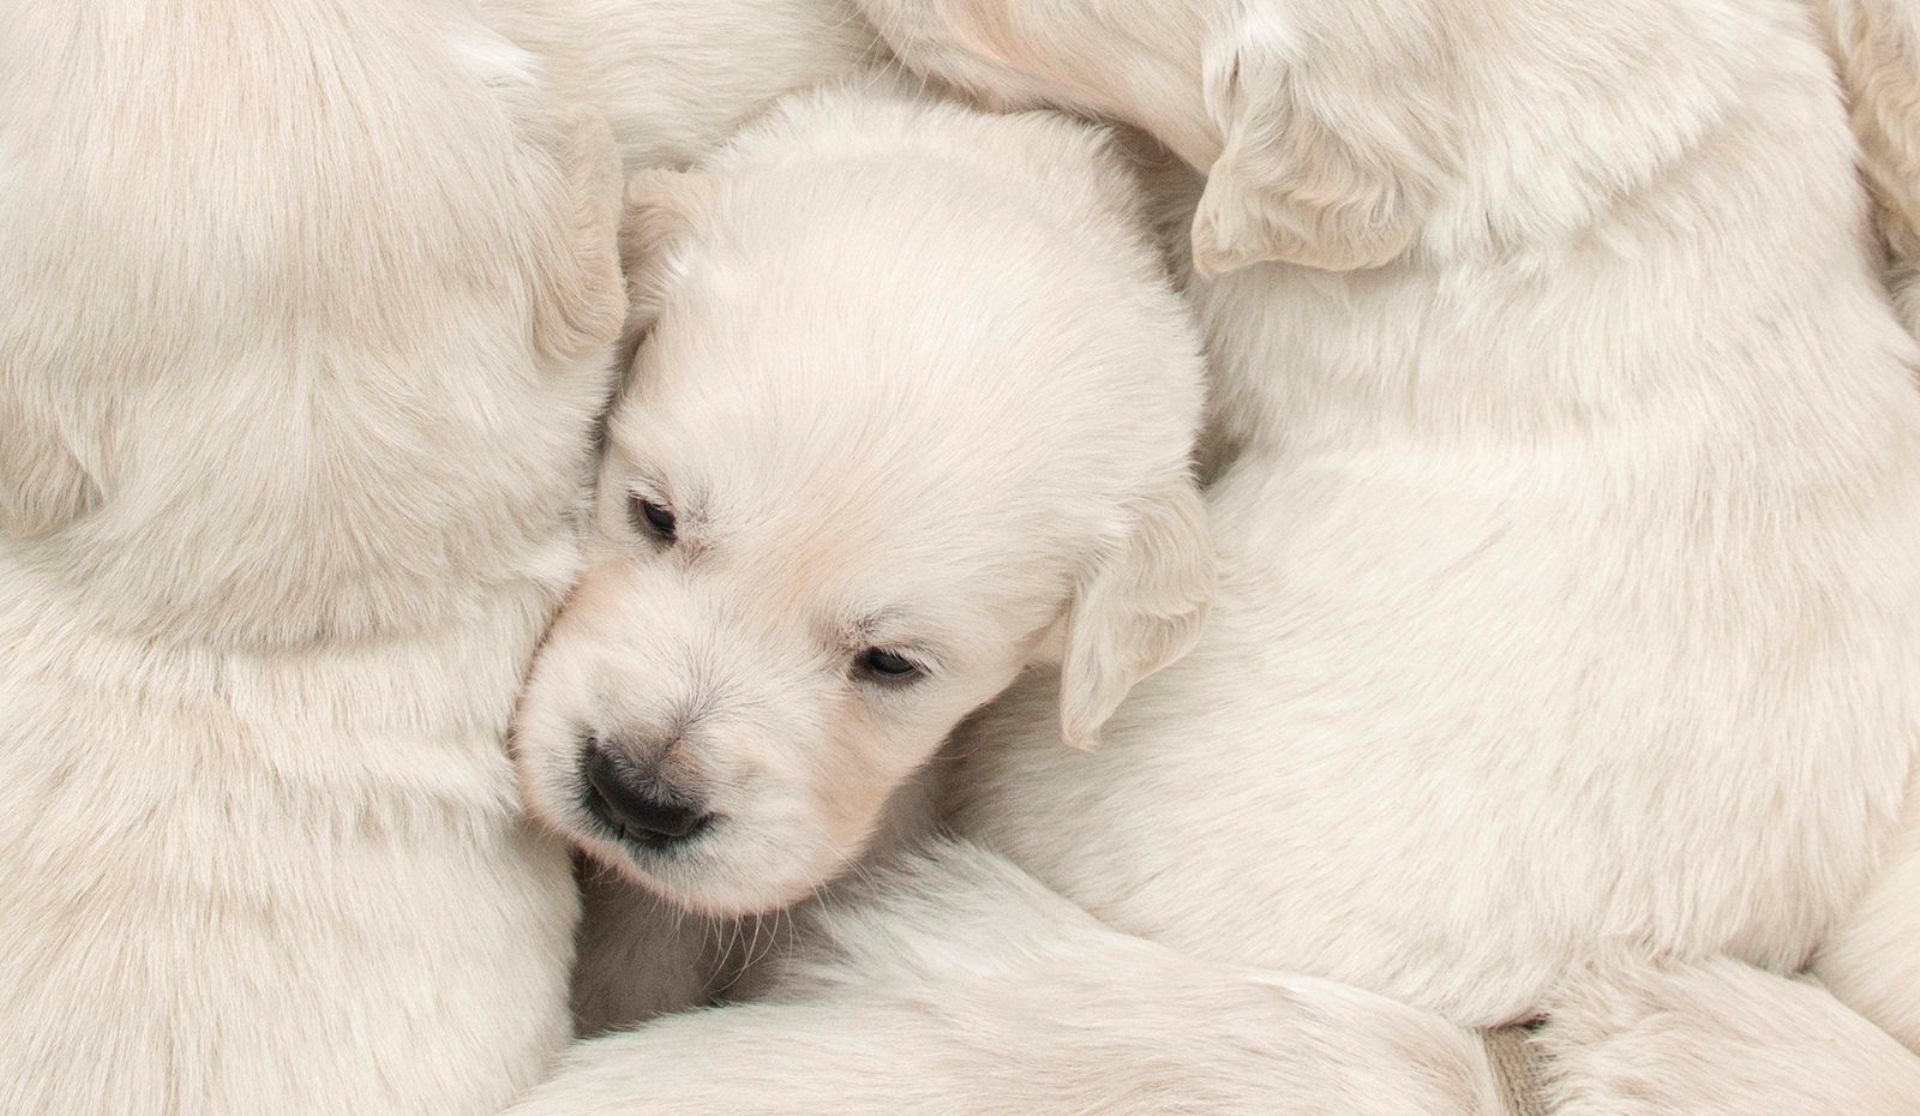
(724, 873)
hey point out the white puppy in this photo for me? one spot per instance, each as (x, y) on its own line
(915, 409)
(306, 312)
(676, 79)
(1571, 566)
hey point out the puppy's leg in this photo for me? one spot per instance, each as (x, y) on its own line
(956, 983)
(1872, 959)
(637, 957)
(1629, 1036)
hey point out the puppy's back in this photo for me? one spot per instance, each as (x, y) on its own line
(297, 361)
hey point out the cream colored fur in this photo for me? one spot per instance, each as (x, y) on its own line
(1479, 597)
(306, 319)
(677, 78)
(1870, 958)
(846, 481)
(952, 982)
(1876, 49)
(1013, 493)
(1570, 583)
(1628, 1034)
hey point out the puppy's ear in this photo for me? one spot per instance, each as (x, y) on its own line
(1332, 170)
(1137, 611)
(580, 301)
(661, 207)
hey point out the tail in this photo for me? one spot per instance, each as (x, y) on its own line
(954, 982)
(1715, 1038)
(1876, 48)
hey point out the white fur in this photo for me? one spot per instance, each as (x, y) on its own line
(1570, 576)
(1625, 1035)
(677, 78)
(1871, 958)
(1876, 48)
(306, 320)
(913, 380)
(952, 982)
(781, 433)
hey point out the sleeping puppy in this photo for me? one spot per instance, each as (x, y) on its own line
(914, 410)
(1571, 560)
(308, 313)
(675, 79)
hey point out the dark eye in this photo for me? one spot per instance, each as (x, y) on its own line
(886, 665)
(650, 518)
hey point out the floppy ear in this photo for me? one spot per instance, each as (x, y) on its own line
(1137, 611)
(660, 207)
(1321, 166)
(580, 300)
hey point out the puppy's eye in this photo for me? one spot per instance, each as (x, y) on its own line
(885, 665)
(650, 518)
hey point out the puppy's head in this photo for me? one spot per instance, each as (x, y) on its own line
(903, 422)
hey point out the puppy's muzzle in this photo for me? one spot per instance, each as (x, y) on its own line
(629, 796)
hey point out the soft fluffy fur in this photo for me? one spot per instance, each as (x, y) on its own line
(307, 310)
(1571, 562)
(1870, 959)
(1876, 48)
(913, 380)
(952, 982)
(677, 78)
(1631, 1034)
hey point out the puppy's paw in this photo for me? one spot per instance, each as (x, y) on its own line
(1627, 1034)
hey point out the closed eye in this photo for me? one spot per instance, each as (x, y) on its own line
(882, 665)
(650, 518)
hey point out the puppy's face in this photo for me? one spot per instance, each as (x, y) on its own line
(793, 598)
(863, 471)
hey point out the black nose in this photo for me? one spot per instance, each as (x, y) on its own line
(636, 802)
